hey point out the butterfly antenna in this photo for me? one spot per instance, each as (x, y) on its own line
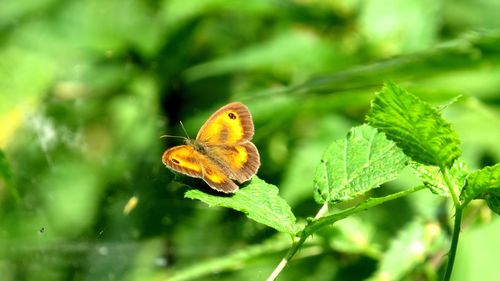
(184, 129)
(169, 136)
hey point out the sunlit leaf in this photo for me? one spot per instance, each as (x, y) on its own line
(448, 58)
(231, 261)
(484, 183)
(17, 67)
(407, 250)
(397, 26)
(76, 199)
(364, 160)
(415, 126)
(297, 181)
(353, 235)
(478, 125)
(13, 10)
(277, 52)
(433, 178)
(493, 200)
(258, 200)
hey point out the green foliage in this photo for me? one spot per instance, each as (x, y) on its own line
(409, 249)
(353, 235)
(258, 200)
(432, 177)
(357, 164)
(419, 16)
(230, 261)
(415, 126)
(6, 179)
(484, 183)
(87, 87)
(5, 173)
(36, 68)
(493, 200)
(470, 266)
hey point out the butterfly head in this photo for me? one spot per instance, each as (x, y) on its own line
(197, 145)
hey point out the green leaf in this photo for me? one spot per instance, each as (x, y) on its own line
(415, 126)
(395, 26)
(493, 200)
(364, 160)
(270, 53)
(259, 201)
(234, 260)
(6, 178)
(18, 66)
(353, 235)
(5, 173)
(433, 178)
(408, 249)
(484, 183)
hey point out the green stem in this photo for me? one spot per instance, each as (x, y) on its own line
(454, 243)
(295, 246)
(230, 262)
(372, 202)
(331, 219)
(289, 255)
(456, 227)
(322, 211)
(454, 196)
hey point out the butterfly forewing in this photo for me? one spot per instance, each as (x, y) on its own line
(185, 159)
(229, 125)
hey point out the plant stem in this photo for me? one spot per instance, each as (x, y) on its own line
(232, 261)
(296, 246)
(372, 202)
(454, 196)
(331, 219)
(322, 211)
(289, 255)
(456, 226)
(454, 243)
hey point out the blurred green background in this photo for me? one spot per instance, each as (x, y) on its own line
(87, 88)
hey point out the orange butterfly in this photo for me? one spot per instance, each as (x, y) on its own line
(222, 151)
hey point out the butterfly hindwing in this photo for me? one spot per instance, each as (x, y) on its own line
(216, 177)
(241, 161)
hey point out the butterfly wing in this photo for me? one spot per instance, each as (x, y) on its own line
(230, 124)
(224, 150)
(226, 136)
(241, 161)
(186, 160)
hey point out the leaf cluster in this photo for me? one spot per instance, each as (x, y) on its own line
(402, 129)
(87, 87)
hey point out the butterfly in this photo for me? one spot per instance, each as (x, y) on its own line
(222, 151)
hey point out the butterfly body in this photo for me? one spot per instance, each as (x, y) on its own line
(222, 151)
